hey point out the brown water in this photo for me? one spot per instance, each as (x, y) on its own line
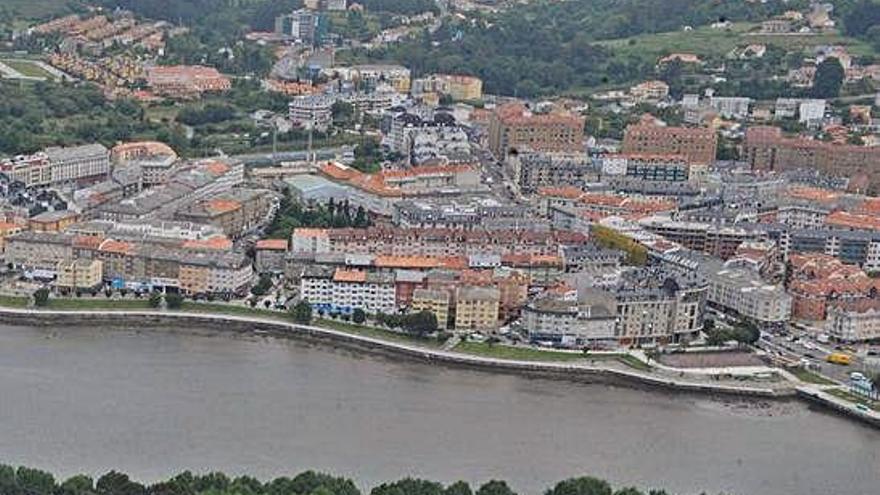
(156, 403)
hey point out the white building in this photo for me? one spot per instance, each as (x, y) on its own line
(565, 320)
(741, 291)
(731, 107)
(312, 111)
(56, 166)
(811, 112)
(344, 290)
(848, 325)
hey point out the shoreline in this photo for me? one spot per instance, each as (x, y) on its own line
(583, 373)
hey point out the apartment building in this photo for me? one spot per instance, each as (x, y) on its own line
(38, 250)
(234, 212)
(432, 242)
(696, 144)
(648, 167)
(854, 323)
(570, 319)
(515, 127)
(476, 308)
(53, 221)
(765, 148)
(343, 290)
(81, 274)
(271, 255)
(655, 305)
(717, 240)
(56, 166)
(435, 301)
(186, 81)
(532, 171)
(312, 111)
(458, 87)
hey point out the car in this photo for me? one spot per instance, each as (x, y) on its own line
(809, 355)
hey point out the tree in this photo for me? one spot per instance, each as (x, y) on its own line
(421, 323)
(155, 299)
(41, 297)
(458, 488)
(78, 485)
(829, 79)
(34, 481)
(584, 485)
(358, 316)
(302, 312)
(495, 487)
(115, 483)
(409, 486)
(263, 285)
(173, 300)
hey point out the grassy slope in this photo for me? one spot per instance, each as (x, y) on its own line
(706, 41)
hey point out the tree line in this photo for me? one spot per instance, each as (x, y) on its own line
(28, 481)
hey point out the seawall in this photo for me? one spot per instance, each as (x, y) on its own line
(325, 336)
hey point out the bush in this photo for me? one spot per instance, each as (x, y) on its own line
(358, 316)
(173, 300)
(302, 312)
(155, 299)
(41, 297)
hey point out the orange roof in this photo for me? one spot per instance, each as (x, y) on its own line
(869, 206)
(568, 192)
(853, 221)
(88, 241)
(426, 170)
(272, 244)
(114, 246)
(9, 226)
(216, 168)
(219, 242)
(415, 262)
(309, 232)
(222, 205)
(343, 275)
(812, 193)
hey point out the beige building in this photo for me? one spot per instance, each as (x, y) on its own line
(515, 127)
(79, 274)
(476, 308)
(434, 300)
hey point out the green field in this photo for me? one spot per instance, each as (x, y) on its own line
(28, 68)
(709, 42)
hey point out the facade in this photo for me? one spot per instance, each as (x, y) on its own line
(235, 212)
(853, 325)
(697, 144)
(654, 305)
(476, 308)
(56, 166)
(457, 87)
(312, 111)
(731, 107)
(53, 221)
(82, 274)
(271, 255)
(532, 171)
(570, 321)
(435, 301)
(647, 167)
(343, 290)
(742, 292)
(514, 127)
(431, 242)
(766, 148)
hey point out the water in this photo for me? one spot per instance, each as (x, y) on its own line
(155, 403)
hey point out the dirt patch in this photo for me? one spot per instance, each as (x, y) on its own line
(710, 359)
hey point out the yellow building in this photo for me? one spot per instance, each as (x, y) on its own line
(7, 229)
(434, 300)
(79, 274)
(53, 221)
(476, 308)
(193, 279)
(461, 88)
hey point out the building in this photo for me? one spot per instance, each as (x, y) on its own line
(155, 160)
(650, 91)
(731, 107)
(435, 301)
(515, 127)
(303, 25)
(476, 308)
(765, 148)
(656, 305)
(186, 81)
(532, 171)
(342, 290)
(457, 87)
(432, 242)
(819, 282)
(38, 250)
(81, 274)
(811, 112)
(570, 320)
(854, 324)
(56, 166)
(235, 212)
(53, 221)
(648, 167)
(312, 111)
(696, 144)
(271, 255)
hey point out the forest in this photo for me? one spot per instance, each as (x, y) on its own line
(28, 481)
